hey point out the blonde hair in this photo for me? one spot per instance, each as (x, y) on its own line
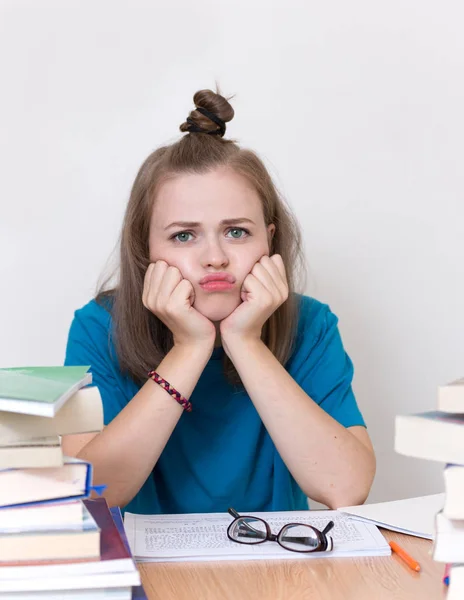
(141, 339)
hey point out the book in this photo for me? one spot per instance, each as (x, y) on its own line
(454, 492)
(82, 413)
(70, 582)
(50, 544)
(40, 390)
(413, 516)
(45, 515)
(120, 593)
(203, 537)
(456, 582)
(431, 435)
(39, 452)
(449, 540)
(114, 556)
(451, 397)
(51, 484)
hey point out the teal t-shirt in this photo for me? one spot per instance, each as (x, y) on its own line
(220, 454)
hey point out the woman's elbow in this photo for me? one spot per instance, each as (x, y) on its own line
(357, 490)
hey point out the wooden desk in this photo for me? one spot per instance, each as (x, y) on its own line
(371, 578)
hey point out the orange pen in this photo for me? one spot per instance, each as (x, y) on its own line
(412, 564)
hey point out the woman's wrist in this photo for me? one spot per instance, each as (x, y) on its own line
(197, 350)
(235, 344)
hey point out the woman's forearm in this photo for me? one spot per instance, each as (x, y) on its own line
(124, 454)
(329, 463)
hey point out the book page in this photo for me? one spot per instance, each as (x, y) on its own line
(204, 536)
(414, 516)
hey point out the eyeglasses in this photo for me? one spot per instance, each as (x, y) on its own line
(296, 537)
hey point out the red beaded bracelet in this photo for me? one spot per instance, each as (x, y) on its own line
(186, 404)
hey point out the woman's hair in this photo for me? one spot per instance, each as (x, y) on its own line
(141, 339)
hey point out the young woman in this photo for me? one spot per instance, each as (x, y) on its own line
(207, 298)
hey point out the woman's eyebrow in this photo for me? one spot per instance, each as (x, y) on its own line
(196, 224)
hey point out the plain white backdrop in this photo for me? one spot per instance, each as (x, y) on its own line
(356, 108)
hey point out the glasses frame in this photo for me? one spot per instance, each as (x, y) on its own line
(272, 537)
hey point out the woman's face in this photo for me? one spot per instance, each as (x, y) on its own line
(209, 224)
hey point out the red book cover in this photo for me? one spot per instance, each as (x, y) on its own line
(111, 545)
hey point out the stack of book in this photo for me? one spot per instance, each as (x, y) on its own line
(55, 542)
(439, 436)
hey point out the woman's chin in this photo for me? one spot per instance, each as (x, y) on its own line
(217, 309)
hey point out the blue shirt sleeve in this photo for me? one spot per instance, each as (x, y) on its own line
(89, 344)
(322, 367)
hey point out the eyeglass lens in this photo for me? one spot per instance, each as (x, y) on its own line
(249, 531)
(299, 537)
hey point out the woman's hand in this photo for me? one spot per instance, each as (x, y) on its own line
(264, 289)
(170, 297)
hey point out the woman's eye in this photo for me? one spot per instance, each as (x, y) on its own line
(181, 236)
(237, 232)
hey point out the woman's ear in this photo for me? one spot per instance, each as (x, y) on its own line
(270, 234)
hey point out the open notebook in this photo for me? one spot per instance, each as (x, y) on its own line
(201, 537)
(414, 516)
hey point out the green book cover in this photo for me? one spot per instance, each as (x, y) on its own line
(39, 384)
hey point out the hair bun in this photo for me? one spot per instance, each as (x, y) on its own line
(211, 114)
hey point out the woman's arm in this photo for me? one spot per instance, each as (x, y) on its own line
(124, 454)
(332, 464)
(126, 451)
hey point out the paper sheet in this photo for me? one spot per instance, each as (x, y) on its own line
(162, 538)
(414, 516)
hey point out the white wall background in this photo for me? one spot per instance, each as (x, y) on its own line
(357, 108)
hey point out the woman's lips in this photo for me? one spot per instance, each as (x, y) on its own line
(217, 282)
(217, 286)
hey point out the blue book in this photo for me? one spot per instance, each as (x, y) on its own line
(32, 487)
(138, 593)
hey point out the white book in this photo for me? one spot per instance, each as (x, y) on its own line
(454, 488)
(120, 593)
(72, 582)
(456, 583)
(451, 397)
(203, 537)
(432, 435)
(449, 540)
(413, 516)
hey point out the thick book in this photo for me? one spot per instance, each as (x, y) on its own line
(40, 390)
(120, 593)
(449, 540)
(82, 413)
(20, 487)
(39, 452)
(454, 492)
(70, 582)
(26, 544)
(431, 435)
(451, 397)
(456, 582)
(114, 557)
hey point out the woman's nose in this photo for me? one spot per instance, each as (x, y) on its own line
(215, 255)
